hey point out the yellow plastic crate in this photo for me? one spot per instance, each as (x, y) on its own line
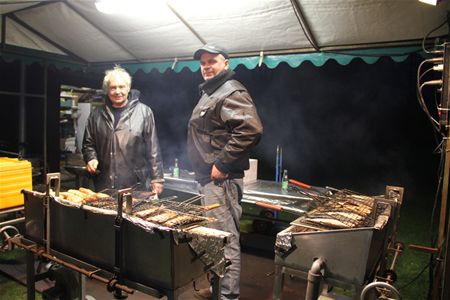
(15, 175)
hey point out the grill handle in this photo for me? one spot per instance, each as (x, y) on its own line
(211, 206)
(300, 184)
(269, 206)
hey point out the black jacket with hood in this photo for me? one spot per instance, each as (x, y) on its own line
(128, 154)
(223, 128)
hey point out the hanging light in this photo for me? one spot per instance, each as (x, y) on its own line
(431, 2)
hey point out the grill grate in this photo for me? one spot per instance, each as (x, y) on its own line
(166, 211)
(341, 210)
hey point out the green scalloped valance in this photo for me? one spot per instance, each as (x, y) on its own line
(318, 59)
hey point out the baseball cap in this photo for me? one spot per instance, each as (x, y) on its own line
(210, 48)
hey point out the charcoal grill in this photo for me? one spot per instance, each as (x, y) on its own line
(343, 256)
(149, 257)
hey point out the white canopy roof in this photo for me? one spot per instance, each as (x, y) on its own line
(174, 29)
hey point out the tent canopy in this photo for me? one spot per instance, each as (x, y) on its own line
(168, 32)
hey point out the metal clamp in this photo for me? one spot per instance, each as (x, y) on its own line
(50, 177)
(124, 193)
(56, 179)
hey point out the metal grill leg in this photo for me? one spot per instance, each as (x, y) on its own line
(278, 283)
(216, 287)
(30, 275)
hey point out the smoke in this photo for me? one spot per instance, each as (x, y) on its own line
(355, 126)
(171, 96)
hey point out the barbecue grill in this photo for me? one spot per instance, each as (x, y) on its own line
(343, 240)
(107, 236)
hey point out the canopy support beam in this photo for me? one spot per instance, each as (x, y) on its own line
(101, 30)
(28, 27)
(186, 24)
(304, 24)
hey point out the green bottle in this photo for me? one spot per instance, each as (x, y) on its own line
(285, 181)
(176, 169)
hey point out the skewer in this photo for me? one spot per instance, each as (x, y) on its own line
(191, 200)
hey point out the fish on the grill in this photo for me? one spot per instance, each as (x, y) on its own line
(83, 195)
(164, 216)
(330, 222)
(71, 197)
(182, 220)
(346, 206)
(338, 215)
(148, 212)
(347, 216)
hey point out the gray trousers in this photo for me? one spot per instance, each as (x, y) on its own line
(227, 194)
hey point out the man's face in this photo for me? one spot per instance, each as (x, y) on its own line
(118, 91)
(212, 64)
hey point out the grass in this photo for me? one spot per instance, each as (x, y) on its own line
(9, 288)
(413, 228)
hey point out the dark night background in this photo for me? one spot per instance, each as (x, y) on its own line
(357, 126)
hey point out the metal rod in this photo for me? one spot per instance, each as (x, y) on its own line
(22, 112)
(397, 251)
(280, 168)
(314, 278)
(191, 200)
(191, 29)
(31, 288)
(20, 94)
(277, 161)
(440, 265)
(11, 222)
(91, 274)
(16, 19)
(3, 38)
(102, 30)
(44, 131)
(11, 210)
(304, 24)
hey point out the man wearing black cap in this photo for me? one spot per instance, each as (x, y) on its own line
(223, 129)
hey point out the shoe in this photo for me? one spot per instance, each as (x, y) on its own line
(203, 294)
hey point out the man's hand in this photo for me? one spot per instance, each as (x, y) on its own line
(157, 187)
(91, 166)
(216, 174)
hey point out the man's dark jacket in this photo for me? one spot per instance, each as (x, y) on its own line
(223, 128)
(128, 154)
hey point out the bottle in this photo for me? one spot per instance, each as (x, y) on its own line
(176, 169)
(285, 181)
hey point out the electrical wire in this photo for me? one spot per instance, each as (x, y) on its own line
(440, 148)
(436, 194)
(426, 37)
(422, 103)
(419, 87)
(415, 278)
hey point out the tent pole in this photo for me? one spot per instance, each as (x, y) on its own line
(22, 112)
(44, 131)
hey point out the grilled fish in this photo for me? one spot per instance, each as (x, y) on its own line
(162, 217)
(182, 220)
(148, 212)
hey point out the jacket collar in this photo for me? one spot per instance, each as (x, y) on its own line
(211, 85)
(133, 98)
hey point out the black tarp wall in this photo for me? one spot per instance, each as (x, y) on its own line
(357, 126)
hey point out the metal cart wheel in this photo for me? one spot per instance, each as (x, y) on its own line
(6, 233)
(380, 290)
